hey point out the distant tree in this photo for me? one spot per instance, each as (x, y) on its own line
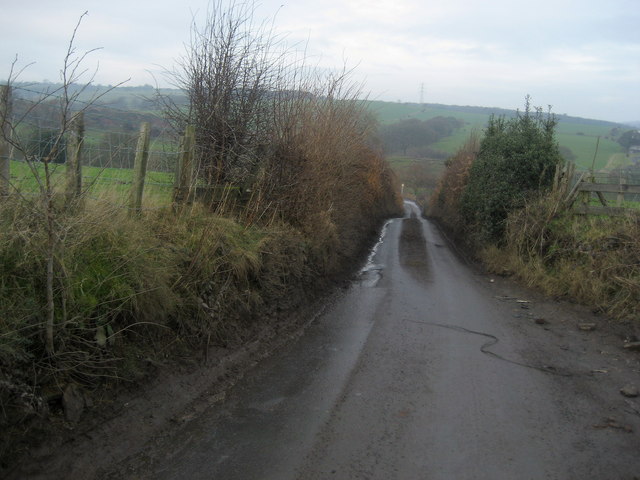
(415, 134)
(567, 154)
(629, 139)
(398, 137)
(419, 177)
(127, 126)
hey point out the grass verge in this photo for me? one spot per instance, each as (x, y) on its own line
(132, 292)
(129, 291)
(592, 260)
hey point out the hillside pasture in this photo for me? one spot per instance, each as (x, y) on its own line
(578, 135)
(114, 183)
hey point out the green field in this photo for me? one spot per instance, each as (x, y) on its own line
(389, 112)
(112, 183)
(580, 136)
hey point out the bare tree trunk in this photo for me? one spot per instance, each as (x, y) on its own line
(51, 311)
(46, 207)
(74, 157)
(49, 255)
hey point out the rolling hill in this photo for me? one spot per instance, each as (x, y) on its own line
(578, 135)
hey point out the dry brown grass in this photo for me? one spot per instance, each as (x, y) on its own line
(593, 260)
(322, 176)
(445, 200)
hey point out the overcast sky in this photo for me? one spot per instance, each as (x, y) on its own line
(581, 57)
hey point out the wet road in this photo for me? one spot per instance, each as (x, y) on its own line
(415, 372)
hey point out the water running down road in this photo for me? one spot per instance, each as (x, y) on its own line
(418, 371)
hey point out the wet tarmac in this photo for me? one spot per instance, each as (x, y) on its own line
(404, 377)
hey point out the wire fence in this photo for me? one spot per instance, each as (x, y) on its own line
(109, 146)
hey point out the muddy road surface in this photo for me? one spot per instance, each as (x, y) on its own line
(422, 369)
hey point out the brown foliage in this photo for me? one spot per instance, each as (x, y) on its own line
(321, 175)
(444, 203)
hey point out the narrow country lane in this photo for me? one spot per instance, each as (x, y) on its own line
(423, 369)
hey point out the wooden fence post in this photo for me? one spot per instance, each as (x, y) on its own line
(74, 157)
(139, 169)
(585, 195)
(182, 192)
(5, 157)
(620, 196)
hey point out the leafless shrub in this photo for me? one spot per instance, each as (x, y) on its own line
(231, 70)
(297, 139)
(46, 206)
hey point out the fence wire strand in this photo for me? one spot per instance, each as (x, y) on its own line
(107, 154)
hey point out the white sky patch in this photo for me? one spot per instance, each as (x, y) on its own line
(576, 61)
(382, 12)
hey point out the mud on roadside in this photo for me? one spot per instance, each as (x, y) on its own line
(124, 418)
(119, 420)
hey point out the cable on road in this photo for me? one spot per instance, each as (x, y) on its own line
(484, 348)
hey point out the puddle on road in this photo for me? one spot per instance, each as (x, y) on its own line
(413, 249)
(371, 273)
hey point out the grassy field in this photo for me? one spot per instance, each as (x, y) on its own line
(584, 148)
(578, 135)
(432, 167)
(389, 112)
(617, 160)
(114, 183)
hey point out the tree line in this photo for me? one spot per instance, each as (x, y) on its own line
(413, 136)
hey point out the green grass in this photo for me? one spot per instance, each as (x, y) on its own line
(578, 135)
(97, 181)
(618, 160)
(389, 112)
(452, 143)
(399, 163)
(584, 148)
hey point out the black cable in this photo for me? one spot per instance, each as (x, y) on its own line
(494, 340)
